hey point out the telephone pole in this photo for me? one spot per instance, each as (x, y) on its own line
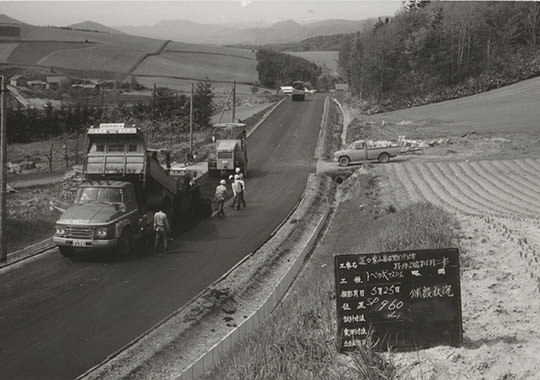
(191, 123)
(234, 102)
(3, 172)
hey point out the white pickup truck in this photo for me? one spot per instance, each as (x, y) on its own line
(361, 151)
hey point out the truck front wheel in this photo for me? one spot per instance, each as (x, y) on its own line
(344, 161)
(125, 242)
(384, 157)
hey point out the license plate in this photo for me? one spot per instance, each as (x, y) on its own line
(79, 243)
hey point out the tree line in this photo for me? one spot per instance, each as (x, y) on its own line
(275, 68)
(167, 110)
(433, 51)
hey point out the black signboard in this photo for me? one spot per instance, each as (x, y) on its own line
(404, 299)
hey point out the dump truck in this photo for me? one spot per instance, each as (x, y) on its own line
(299, 92)
(229, 150)
(362, 150)
(124, 182)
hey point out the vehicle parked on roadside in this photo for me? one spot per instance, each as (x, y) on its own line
(362, 151)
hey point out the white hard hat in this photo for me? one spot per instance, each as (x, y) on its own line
(223, 182)
(231, 177)
(238, 170)
(236, 176)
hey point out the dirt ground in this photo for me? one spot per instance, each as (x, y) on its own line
(489, 181)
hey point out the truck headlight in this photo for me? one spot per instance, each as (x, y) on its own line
(60, 231)
(102, 232)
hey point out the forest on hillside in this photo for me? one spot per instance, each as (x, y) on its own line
(434, 51)
(276, 69)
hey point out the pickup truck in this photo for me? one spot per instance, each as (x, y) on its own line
(361, 151)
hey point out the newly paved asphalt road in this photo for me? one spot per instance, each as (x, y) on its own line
(59, 317)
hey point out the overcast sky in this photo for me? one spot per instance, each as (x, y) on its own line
(111, 13)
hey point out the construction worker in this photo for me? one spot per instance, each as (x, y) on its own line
(162, 229)
(221, 194)
(241, 199)
(231, 181)
(237, 191)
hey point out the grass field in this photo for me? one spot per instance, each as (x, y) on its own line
(87, 54)
(6, 49)
(209, 49)
(196, 65)
(108, 57)
(34, 52)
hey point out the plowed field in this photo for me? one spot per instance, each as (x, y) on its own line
(497, 203)
(506, 188)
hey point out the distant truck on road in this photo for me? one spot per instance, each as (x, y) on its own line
(124, 182)
(299, 92)
(229, 149)
(362, 150)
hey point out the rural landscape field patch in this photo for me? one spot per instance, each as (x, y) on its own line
(486, 187)
(197, 65)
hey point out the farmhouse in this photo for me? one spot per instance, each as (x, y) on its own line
(18, 81)
(55, 82)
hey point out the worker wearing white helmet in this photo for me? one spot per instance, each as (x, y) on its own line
(221, 194)
(241, 198)
(238, 187)
(237, 190)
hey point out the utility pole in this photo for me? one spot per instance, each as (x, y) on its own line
(154, 99)
(191, 123)
(234, 102)
(3, 172)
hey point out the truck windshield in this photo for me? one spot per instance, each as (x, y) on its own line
(98, 194)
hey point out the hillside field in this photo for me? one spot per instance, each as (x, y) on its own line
(100, 55)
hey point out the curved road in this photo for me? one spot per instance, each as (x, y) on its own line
(59, 318)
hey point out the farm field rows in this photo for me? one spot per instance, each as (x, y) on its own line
(497, 204)
(505, 188)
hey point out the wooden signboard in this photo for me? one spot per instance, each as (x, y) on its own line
(404, 299)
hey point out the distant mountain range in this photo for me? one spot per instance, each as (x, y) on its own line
(280, 32)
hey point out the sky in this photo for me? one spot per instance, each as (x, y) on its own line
(117, 13)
